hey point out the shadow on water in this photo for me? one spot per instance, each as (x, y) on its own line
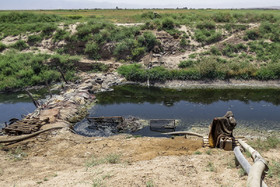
(255, 108)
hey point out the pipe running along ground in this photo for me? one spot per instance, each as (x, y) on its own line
(254, 172)
(184, 133)
(21, 138)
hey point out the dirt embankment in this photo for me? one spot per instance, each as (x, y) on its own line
(61, 158)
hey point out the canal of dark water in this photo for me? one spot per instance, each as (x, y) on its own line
(17, 104)
(254, 108)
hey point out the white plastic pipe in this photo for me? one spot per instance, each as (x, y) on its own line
(259, 166)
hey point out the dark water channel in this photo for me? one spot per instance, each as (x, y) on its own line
(255, 108)
(16, 104)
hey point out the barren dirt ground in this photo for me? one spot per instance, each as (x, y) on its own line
(61, 158)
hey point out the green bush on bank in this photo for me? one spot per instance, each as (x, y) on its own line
(2, 47)
(19, 70)
(203, 68)
(34, 39)
(207, 37)
(19, 45)
(127, 43)
(92, 50)
(186, 63)
(15, 23)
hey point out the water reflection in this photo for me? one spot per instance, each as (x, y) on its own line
(258, 108)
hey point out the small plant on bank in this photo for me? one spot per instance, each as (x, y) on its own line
(183, 43)
(34, 39)
(241, 172)
(92, 50)
(100, 67)
(18, 154)
(186, 63)
(197, 153)
(97, 183)
(210, 167)
(209, 152)
(113, 158)
(271, 142)
(2, 47)
(19, 45)
(94, 161)
(248, 154)
(150, 183)
(274, 170)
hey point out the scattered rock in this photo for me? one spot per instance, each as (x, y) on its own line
(52, 114)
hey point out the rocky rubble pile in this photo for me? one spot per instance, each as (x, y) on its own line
(72, 103)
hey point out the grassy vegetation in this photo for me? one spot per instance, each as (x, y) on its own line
(274, 170)
(17, 154)
(150, 183)
(271, 142)
(19, 70)
(210, 167)
(197, 153)
(110, 159)
(97, 37)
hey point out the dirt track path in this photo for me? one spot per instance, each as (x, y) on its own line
(172, 61)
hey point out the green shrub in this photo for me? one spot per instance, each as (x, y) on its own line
(158, 74)
(133, 72)
(48, 30)
(207, 37)
(186, 63)
(215, 51)
(137, 53)
(60, 35)
(129, 49)
(168, 24)
(92, 50)
(20, 45)
(150, 15)
(222, 17)
(230, 49)
(186, 74)
(148, 40)
(252, 34)
(174, 32)
(2, 47)
(206, 25)
(22, 18)
(208, 68)
(97, 67)
(33, 39)
(183, 43)
(265, 74)
(75, 17)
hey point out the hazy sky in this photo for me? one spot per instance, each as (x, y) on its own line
(76, 4)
